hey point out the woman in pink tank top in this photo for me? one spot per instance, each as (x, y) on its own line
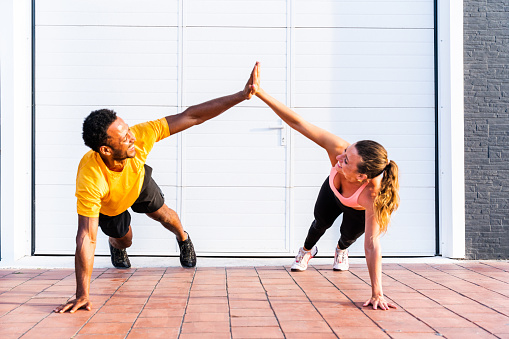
(362, 185)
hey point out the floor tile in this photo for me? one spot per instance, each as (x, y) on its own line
(257, 332)
(225, 335)
(304, 326)
(359, 332)
(173, 322)
(64, 320)
(114, 317)
(207, 300)
(15, 327)
(495, 325)
(162, 312)
(95, 336)
(251, 312)
(451, 321)
(27, 318)
(207, 308)
(211, 317)
(254, 321)
(360, 321)
(206, 327)
(462, 333)
(262, 304)
(404, 335)
(308, 335)
(395, 325)
(121, 308)
(153, 333)
(45, 332)
(106, 328)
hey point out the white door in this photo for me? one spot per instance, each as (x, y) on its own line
(90, 55)
(365, 70)
(242, 183)
(234, 168)
(226, 178)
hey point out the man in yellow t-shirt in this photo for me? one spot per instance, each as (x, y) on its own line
(113, 176)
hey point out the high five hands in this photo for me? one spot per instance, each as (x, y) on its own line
(253, 84)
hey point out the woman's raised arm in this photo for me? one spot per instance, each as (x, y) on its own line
(333, 144)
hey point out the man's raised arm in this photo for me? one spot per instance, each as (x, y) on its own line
(84, 264)
(200, 113)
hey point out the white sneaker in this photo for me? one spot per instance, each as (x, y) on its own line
(302, 259)
(341, 260)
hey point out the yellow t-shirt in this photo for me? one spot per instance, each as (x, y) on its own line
(100, 190)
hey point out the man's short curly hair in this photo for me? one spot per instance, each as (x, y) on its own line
(95, 127)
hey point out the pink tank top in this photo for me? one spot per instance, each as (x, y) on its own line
(351, 201)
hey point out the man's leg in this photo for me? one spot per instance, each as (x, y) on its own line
(118, 229)
(170, 220)
(119, 257)
(125, 242)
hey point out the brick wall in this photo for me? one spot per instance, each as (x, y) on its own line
(486, 66)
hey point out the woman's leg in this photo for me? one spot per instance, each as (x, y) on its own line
(326, 212)
(352, 227)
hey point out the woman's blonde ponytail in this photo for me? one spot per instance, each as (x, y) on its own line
(375, 163)
(387, 200)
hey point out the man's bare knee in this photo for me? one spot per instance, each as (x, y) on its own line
(120, 244)
(125, 242)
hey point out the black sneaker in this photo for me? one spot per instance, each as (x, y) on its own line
(119, 258)
(187, 254)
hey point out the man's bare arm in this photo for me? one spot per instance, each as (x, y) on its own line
(84, 264)
(200, 113)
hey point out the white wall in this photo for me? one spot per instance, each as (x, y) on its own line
(16, 130)
(359, 78)
(15, 109)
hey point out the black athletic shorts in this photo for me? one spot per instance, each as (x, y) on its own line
(150, 200)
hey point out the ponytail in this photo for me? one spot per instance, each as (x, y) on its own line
(374, 163)
(387, 200)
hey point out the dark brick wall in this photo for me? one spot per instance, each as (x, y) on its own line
(486, 65)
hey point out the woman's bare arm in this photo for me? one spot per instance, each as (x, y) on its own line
(333, 144)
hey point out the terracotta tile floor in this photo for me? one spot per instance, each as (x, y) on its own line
(460, 300)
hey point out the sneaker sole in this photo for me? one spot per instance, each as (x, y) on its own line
(297, 270)
(339, 269)
(184, 266)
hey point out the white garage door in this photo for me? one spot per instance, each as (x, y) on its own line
(243, 183)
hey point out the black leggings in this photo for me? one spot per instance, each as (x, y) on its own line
(327, 209)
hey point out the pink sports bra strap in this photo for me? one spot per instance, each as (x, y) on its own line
(350, 201)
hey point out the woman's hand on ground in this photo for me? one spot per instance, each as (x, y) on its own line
(379, 302)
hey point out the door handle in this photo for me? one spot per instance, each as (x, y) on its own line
(282, 140)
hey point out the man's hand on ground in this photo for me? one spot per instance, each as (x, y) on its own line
(74, 305)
